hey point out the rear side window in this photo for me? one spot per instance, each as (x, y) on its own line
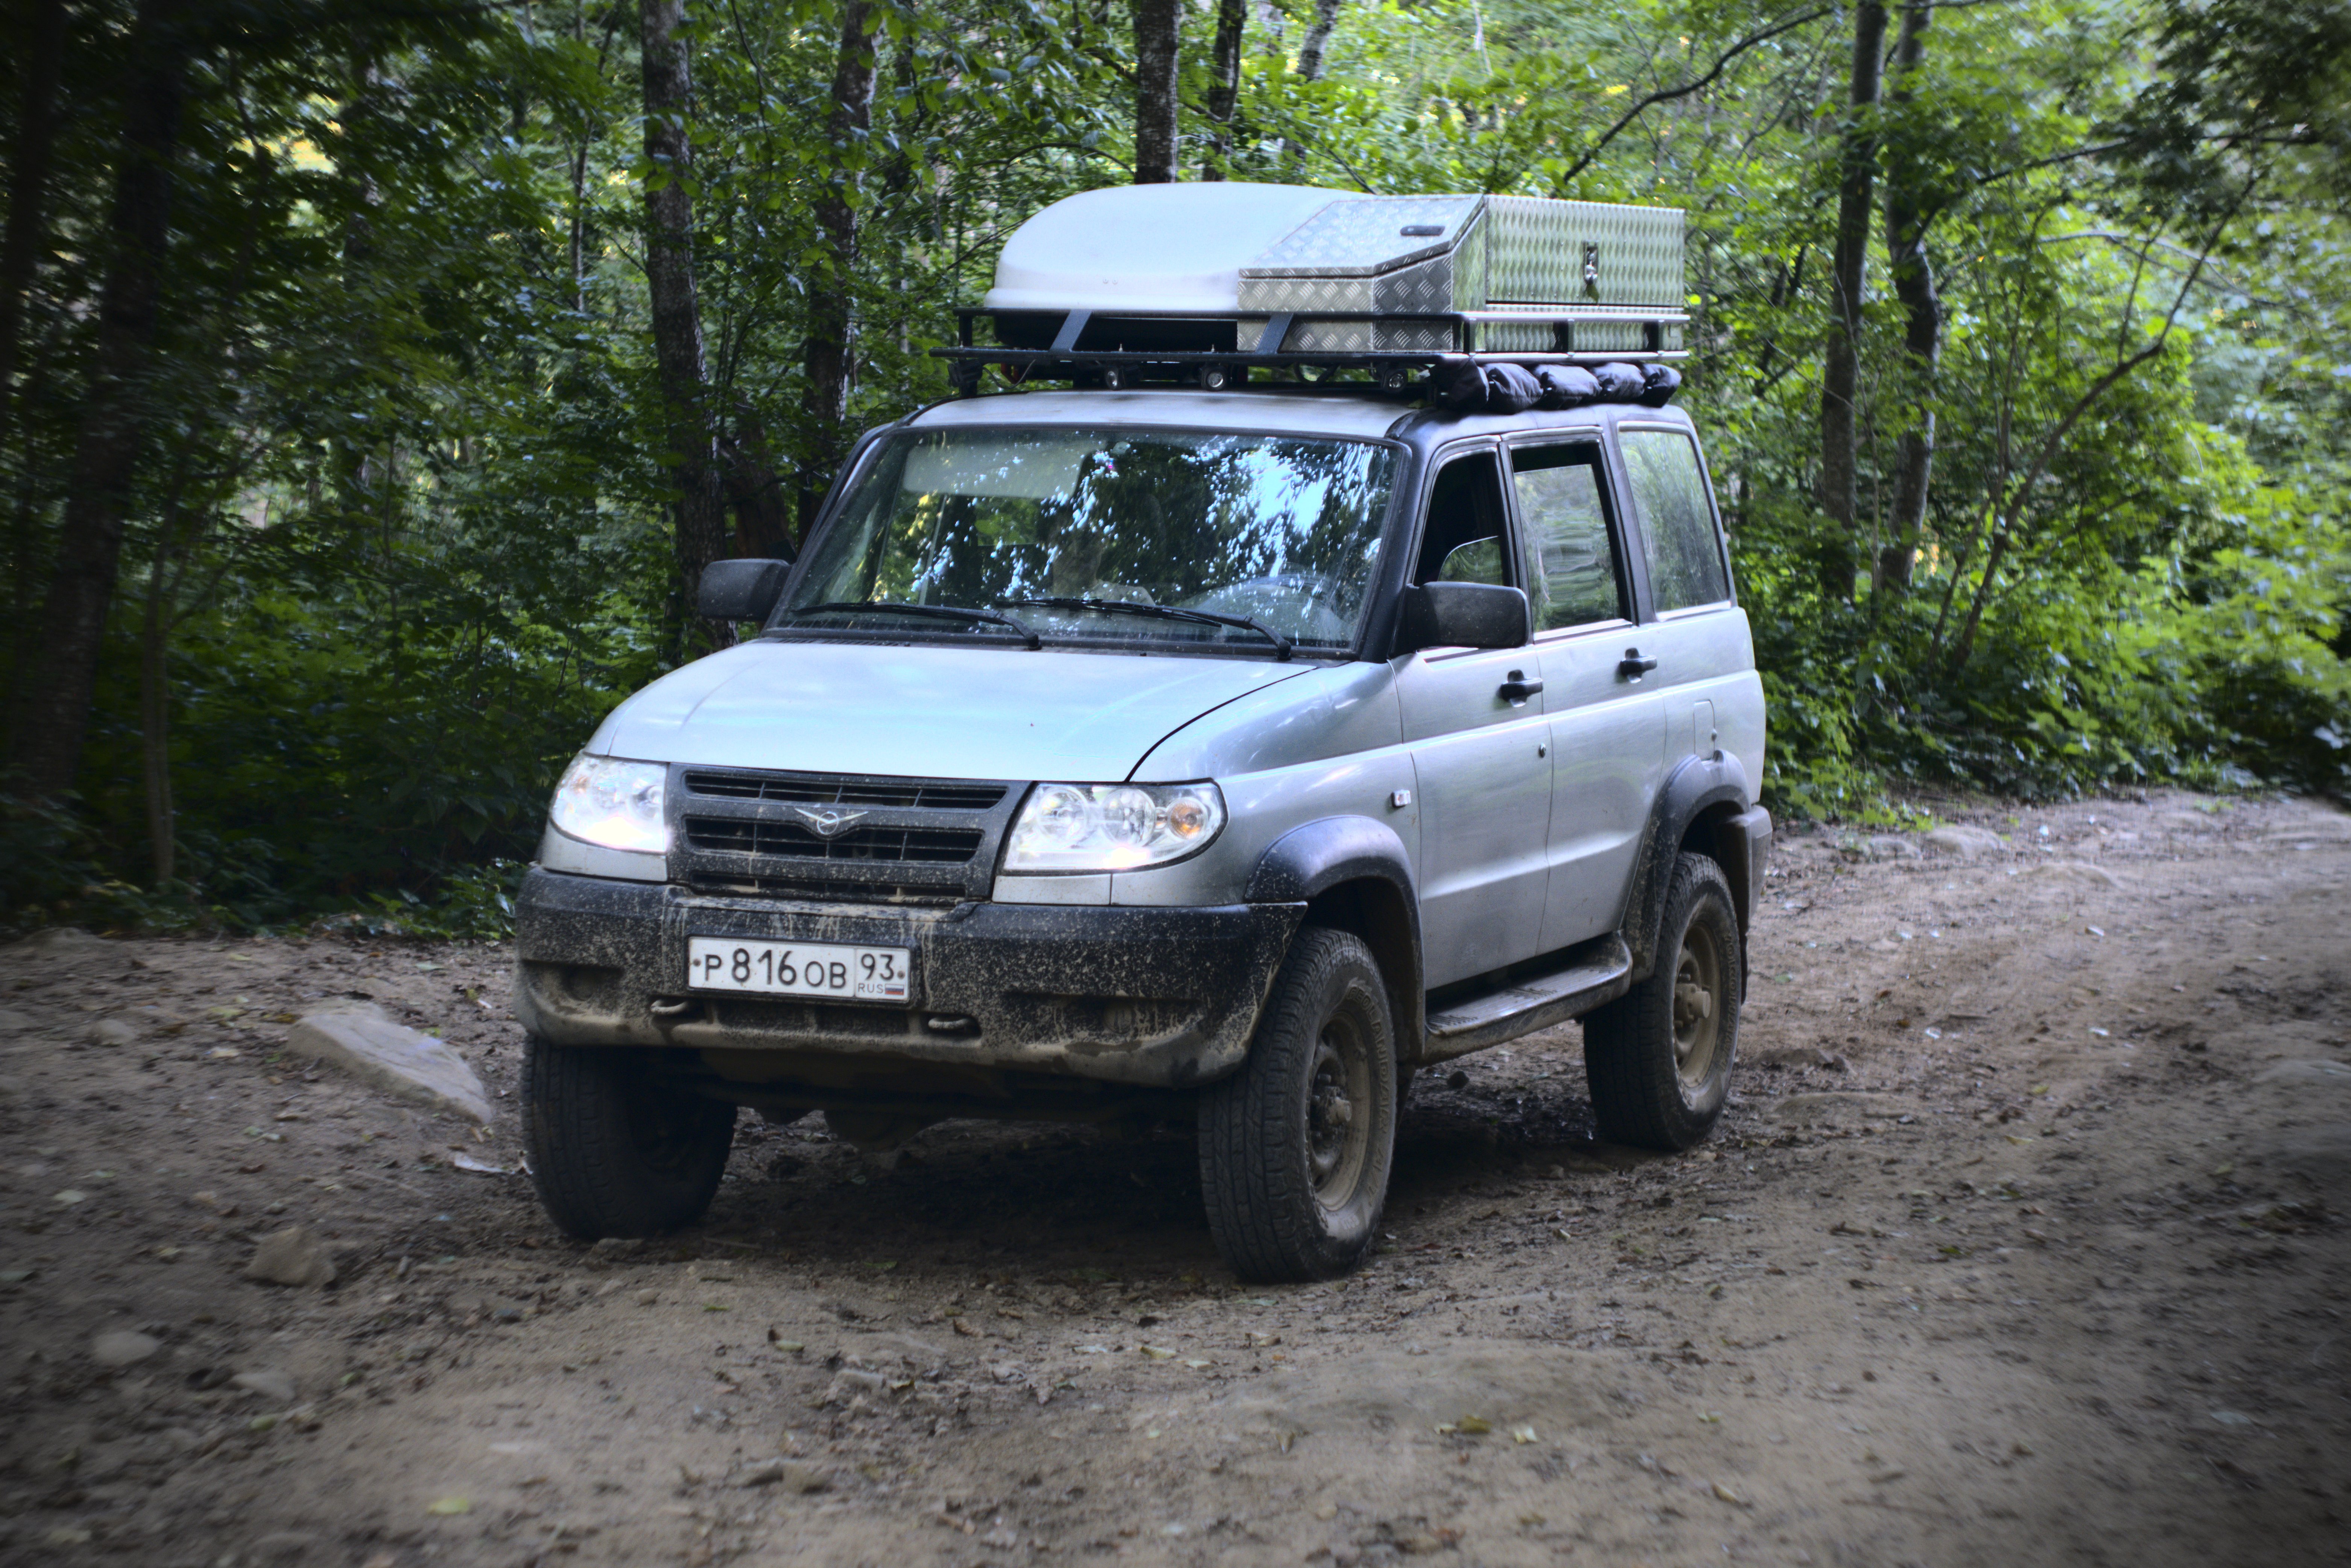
(1571, 559)
(1677, 534)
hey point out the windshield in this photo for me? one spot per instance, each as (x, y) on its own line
(1210, 540)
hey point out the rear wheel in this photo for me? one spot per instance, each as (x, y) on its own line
(1658, 1057)
(614, 1150)
(1296, 1147)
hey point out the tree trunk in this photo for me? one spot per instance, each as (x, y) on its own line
(53, 707)
(1317, 39)
(28, 182)
(1841, 373)
(831, 299)
(1224, 86)
(677, 312)
(1922, 337)
(1156, 23)
(1310, 69)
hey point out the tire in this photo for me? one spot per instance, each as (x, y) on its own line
(1658, 1057)
(614, 1151)
(1296, 1147)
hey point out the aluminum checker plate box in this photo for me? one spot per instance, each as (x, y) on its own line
(1401, 256)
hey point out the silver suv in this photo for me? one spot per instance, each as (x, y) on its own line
(1262, 747)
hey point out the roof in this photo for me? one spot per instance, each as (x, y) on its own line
(1269, 410)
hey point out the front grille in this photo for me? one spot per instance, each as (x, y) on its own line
(817, 789)
(929, 846)
(824, 890)
(744, 835)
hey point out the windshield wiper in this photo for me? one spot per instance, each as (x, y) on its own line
(935, 611)
(1281, 644)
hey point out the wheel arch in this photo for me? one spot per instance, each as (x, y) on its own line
(1705, 808)
(1353, 874)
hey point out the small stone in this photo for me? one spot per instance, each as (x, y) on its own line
(648, 1298)
(112, 1032)
(617, 1247)
(120, 1347)
(1892, 847)
(1961, 843)
(283, 1546)
(290, 1258)
(269, 1383)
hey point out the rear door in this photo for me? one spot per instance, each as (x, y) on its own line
(1604, 718)
(1705, 658)
(1481, 754)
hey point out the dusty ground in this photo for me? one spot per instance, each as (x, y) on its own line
(2020, 1243)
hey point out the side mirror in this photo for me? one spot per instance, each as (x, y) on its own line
(741, 589)
(1465, 615)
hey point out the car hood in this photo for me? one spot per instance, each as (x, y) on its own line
(926, 711)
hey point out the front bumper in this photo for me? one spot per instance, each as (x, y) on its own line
(1147, 996)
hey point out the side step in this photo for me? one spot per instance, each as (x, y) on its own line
(1598, 971)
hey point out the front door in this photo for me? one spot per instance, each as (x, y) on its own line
(1482, 754)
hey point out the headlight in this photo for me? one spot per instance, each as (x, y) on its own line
(1112, 827)
(615, 804)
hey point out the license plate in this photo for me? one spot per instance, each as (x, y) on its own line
(797, 968)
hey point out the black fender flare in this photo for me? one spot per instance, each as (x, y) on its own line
(1696, 785)
(1316, 857)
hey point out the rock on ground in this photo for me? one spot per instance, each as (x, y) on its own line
(122, 1347)
(394, 1058)
(1961, 842)
(290, 1258)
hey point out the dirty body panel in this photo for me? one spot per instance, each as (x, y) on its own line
(1158, 998)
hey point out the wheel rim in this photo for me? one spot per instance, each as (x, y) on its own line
(1339, 1112)
(1698, 1007)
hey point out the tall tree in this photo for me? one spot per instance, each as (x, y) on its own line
(1913, 270)
(52, 708)
(1224, 84)
(831, 303)
(673, 305)
(1156, 26)
(40, 65)
(1841, 368)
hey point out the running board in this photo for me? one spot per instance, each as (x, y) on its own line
(1598, 971)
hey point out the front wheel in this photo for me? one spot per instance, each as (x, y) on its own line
(1658, 1057)
(614, 1150)
(1295, 1148)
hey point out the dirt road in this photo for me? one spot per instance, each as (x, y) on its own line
(2021, 1242)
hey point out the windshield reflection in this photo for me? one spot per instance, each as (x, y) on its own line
(1279, 530)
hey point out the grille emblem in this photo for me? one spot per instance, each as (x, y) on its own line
(827, 823)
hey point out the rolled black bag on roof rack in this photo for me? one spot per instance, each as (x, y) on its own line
(1664, 380)
(1493, 388)
(1566, 386)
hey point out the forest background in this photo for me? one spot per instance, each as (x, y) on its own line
(376, 375)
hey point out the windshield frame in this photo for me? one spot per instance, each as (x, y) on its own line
(1403, 485)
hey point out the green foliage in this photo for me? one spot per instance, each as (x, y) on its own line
(403, 515)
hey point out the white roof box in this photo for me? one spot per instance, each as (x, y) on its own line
(1228, 246)
(1148, 247)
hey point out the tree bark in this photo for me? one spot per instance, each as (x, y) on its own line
(53, 707)
(1155, 29)
(1310, 69)
(1912, 272)
(832, 299)
(1224, 86)
(29, 185)
(1840, 374)
(675, 310)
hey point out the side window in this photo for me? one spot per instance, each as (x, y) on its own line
(1677, 534)
(1570, 569)
(1463, 539)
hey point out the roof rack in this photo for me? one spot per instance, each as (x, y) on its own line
(1203, 283)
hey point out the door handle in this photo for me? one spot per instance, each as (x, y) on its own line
(1631, 666)
(1518, 689)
